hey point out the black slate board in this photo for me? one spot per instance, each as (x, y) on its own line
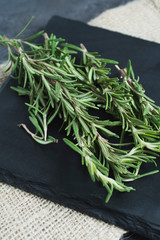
(54, 171)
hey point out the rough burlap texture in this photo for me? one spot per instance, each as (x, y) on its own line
(24, 216)
(140, 18)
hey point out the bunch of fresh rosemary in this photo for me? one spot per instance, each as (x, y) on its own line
(58, 86)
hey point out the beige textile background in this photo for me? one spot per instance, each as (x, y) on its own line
(24, 216)
(140, 18)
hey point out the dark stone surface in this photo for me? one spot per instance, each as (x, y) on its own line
(133, 236)
(15, 14)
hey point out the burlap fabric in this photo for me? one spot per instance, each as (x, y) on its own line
(28, 217)
(140, 18)
(24, 216)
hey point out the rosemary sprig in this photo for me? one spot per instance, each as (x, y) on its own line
(147, 131)
(57, 86)
(126, 98)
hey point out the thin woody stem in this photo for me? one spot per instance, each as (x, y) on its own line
(28, 131)
(83, 47)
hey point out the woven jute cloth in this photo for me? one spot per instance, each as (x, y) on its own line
(24, 216)
(28, 217)
(140, 18)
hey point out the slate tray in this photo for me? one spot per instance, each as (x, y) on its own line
(55, 171)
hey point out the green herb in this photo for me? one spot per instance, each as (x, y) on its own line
(57, 86)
